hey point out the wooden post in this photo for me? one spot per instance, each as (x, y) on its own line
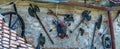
(111, 29)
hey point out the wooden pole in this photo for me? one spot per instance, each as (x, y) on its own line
(111, 29)
(92, 45)
(84, 5)
(44, 28)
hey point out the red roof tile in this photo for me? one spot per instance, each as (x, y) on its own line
(9, 38)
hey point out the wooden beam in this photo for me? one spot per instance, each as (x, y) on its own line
(90, 6)
(111, 29)
(26, 3)
(84, 5)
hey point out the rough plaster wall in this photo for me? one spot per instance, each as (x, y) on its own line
(33, 29)
(83, 42)
(117, 32)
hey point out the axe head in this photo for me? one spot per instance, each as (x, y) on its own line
(69, 17)
(11, 3)
(82, 31)
(31, 12)
(33, 9)
(50, 11)
(36, 8)
(99, 22)
(86, 15)
(88, 18)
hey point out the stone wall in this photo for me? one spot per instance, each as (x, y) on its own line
(33, 28)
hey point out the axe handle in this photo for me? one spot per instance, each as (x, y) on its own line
(93, 36)
(78, 24)
(77, 36)
(44, 29)
(103, 42)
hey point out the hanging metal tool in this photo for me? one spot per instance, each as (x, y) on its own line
(51, 12)
(68, 18)
(60, 26)
(81, 31)
(85, 15)
(41, 41)
(97, 26)
(101, 38)
(32, 11)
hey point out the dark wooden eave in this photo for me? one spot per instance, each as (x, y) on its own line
(90, 6)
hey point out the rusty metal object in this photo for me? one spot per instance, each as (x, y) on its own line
(51, 12)
(106, 28)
